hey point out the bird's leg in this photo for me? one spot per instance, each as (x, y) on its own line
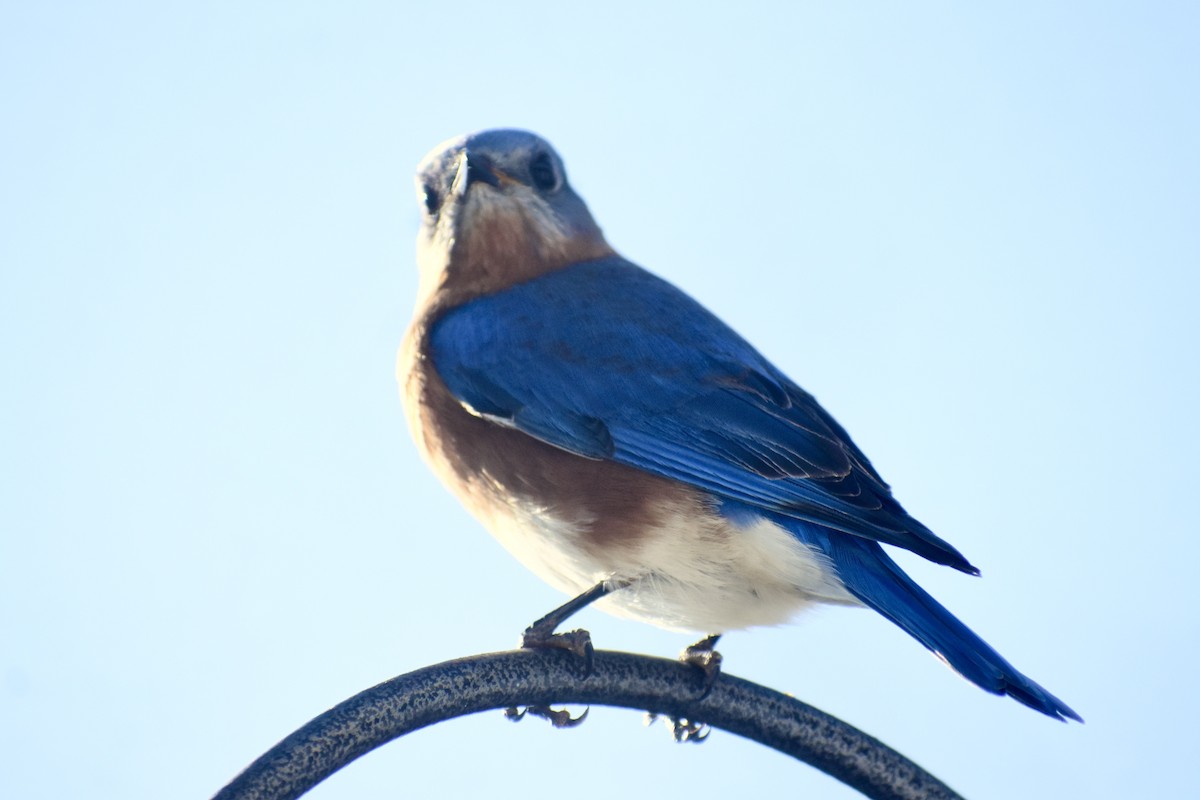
(540, 635)
(702, 656)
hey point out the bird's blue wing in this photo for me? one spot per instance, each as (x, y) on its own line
(610, 362)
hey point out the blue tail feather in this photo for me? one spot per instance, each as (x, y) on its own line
(870, 575)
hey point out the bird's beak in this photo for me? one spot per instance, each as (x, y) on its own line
(480, 170)
(474, 167)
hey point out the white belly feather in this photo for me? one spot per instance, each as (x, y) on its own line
(703, 574)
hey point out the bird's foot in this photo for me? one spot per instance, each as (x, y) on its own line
(702, 656)
(683, 729)
(541, 636)
(577, 642)
(559, 718)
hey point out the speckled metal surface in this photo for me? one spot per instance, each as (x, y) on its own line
(539, 677)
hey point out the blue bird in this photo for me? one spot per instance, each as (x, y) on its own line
(629, 447)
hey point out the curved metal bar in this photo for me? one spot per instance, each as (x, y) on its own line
(542, 677)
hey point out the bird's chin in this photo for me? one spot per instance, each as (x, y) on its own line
(498, 244)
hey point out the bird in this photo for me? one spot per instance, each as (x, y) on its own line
(629, 447)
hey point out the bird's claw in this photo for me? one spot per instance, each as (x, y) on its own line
(559, 718)
(577, 642)
(702, 656)
(683, 729)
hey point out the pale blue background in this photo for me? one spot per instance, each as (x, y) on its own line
(971, 233)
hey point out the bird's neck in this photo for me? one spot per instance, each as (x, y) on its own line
(495, 254)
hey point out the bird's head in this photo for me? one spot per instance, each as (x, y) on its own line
(497, 211)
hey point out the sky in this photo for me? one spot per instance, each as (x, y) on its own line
(971, 231)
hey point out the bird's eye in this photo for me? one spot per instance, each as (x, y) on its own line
(432, 200)
(542, 173)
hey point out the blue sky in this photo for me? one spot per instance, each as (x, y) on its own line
(970, 232)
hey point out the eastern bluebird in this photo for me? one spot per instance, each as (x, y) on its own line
(629, 447)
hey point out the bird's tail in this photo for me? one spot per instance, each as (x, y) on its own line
(876, 580)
